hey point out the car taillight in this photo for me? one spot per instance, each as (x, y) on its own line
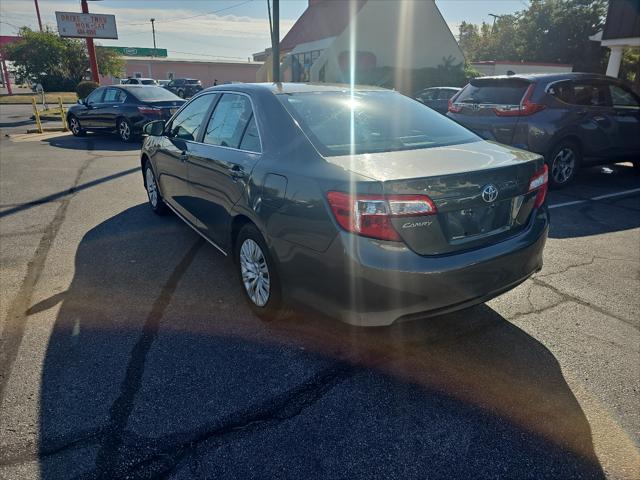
(370, 215)
(540, 182)
(453, 107)
(526, 107)
(150, 110)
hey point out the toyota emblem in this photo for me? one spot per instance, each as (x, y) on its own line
(489, 193)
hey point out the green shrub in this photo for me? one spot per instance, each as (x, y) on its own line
(85, 88)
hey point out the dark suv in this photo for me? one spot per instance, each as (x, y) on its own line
(184, 87)
(572, 119)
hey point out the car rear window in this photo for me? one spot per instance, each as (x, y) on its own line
(193, 81)
(148, 82)
(382, 122)
(153, 93)
(502, 92)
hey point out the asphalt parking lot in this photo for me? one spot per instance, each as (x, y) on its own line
(128, 352)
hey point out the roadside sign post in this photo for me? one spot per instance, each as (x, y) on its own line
(91, 49)
(88, 26)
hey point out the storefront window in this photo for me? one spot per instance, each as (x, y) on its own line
(301, 65)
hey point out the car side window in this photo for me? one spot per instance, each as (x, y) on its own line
(563, 91)
(622, 98)
(95, 96)
(114, 95)
(590, 94)
(228, 121)
(251, 138)
(429, 95)
(188, 121)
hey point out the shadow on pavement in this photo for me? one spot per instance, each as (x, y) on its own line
(95, 141)
(602, 216)
(155, 366)
(70, 191)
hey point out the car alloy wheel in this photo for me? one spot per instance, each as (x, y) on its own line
(124, 130)
(152, 188)
(563, 165)
(74, 126)
(255, 272)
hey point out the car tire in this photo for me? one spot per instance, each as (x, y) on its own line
(181, 93)
(75, 127)
(153, 192)
(564, 162)
(252, 257)
(124, 129)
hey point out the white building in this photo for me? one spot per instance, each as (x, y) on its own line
(621, 30)
(392, 36)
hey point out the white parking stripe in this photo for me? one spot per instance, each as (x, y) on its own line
(565, 204)
(609, 195)
(599, 197)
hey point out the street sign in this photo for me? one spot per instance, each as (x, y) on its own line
(86, 25)
(138, 51)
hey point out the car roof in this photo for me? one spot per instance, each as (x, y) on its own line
(549, 77)
(284, 88)
(440, 88)
(131, 87)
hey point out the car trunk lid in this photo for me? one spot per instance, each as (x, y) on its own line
(480, 190)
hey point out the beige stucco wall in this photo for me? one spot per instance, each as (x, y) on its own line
(403, 34)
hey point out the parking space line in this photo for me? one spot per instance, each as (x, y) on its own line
(609, 195)
(593, 199)
(565, 204)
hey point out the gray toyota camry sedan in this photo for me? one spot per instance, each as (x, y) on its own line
(364, 204)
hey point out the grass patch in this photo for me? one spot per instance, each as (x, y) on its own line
(25, 98)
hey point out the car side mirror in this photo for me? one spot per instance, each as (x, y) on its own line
(155, 129)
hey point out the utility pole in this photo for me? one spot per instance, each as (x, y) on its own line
(91, 49)
(493, 26)
(38, 14)
(275, 41)
(153, 29)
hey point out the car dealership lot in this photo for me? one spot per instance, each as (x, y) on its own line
(127, 349)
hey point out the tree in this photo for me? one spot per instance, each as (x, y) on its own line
(547, 31)
(109, 62)
(58, 63)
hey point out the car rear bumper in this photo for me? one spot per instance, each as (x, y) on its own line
(375, 283)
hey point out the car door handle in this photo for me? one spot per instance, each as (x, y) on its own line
(236, 172)
(184, 157)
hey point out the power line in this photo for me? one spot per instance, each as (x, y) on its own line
(203, 14)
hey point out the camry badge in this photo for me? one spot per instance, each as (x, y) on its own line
(489, 193)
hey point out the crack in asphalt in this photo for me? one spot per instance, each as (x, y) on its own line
(158, 457)
(17, 317)
(566, 297)
(107, 458)
(161, 456)
(22, 453)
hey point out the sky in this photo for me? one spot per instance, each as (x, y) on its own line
(207, 29)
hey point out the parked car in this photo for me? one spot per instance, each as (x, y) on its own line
(163, 83)
(123, 108)
(139, 81)
(411, 214)
(573, 119)
(184, 87)
(437, 97)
